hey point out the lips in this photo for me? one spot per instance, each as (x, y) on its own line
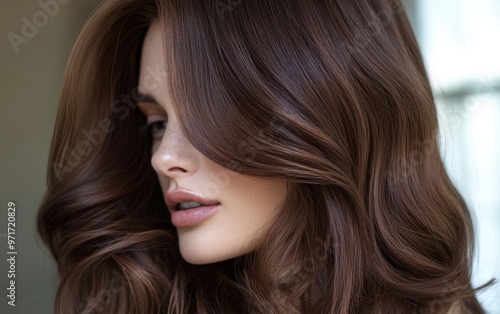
(188, 205)
(189, 209)
(177, 197)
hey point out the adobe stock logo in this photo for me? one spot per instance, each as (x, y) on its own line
(30, 28)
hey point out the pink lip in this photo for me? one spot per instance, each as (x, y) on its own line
(192, 217)
(189, 217)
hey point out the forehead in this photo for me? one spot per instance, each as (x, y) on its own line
(152, 71)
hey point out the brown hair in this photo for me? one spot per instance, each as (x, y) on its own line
(331, 95)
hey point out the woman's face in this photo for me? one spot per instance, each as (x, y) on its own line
(219, 214)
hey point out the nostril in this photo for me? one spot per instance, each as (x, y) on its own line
(177, 169)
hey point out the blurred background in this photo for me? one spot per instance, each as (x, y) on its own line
(460, 40)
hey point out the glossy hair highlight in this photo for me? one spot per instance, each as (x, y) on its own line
(331, 95)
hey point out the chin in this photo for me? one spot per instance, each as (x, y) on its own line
(198, 254)
(197, 257)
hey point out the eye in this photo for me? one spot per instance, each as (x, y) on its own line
(157, 129)
(156, 125)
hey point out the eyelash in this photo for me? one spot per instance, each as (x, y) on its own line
(152, 127)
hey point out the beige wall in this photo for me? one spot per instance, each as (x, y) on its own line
(30, 82)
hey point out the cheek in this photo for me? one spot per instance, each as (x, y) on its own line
(256, 202)
(264, 196)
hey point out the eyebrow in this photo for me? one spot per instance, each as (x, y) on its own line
(146, 98)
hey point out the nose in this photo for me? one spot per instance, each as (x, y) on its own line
(175, 157)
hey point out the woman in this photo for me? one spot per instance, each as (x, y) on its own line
(252, 157)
